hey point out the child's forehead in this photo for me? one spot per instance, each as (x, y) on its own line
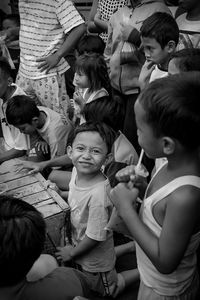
(86, 137)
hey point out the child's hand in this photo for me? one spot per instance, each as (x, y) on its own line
(64, 253)
(129, 176)
(33, 166)
(78, 98)
(46, 63)
(97, 16)
(43, 146)
(124, 198)
(145, 73)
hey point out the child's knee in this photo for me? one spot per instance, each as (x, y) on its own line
(44, 265)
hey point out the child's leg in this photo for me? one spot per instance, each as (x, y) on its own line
(61, 179)
(125, 279)
(44, 265)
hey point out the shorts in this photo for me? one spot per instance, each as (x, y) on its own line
(102, 283)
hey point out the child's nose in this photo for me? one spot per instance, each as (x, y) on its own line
(87, 154)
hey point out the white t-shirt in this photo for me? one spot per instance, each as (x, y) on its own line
(157, 74)
(55, 131)
(90, 211)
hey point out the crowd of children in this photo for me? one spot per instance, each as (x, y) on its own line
(136, 83)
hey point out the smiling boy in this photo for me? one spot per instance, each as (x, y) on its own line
(90, 206)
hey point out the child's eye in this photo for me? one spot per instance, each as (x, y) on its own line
(95, 151)
(79, 148)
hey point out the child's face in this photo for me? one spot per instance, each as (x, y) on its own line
(88, 152)
(153, 51)
(7, 24)
(26, 128)
(146, 137)
(189, 4)
(172, 68)
(81, 80)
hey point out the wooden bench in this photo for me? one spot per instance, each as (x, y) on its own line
(34, 189)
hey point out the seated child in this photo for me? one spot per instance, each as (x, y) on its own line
(159, 36)
(23, 113)
(13, 142)
(22, 238)
(167, 230)
(92, 246)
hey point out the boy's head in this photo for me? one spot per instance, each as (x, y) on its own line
(189, 5)
(10, 21)
(105, 109)
(90, 43)
(159, 36)
(168, 114)
(23, 113)
(91, 146)
(5, 76)
(184, 60)
(22, 237)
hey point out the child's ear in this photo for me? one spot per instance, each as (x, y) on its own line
(10, 80)
(35, 122)
(109, 158)
(168, 145)
(171, 46)
(69, 151)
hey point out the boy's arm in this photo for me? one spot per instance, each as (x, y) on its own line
(91, 27)
(109, 45)
(180, 218)
(12, 153)
(85, 246)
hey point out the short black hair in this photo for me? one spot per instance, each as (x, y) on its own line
(20, 110)
(94, 67)
(107, 110)
(90, 43)
(107, 133)
(162, 27)
(172, 107)
(5, 67)
(22, 237)
(187, 59)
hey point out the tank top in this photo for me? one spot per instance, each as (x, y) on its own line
(178, 281)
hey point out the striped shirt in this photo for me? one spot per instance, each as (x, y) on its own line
(43, 28)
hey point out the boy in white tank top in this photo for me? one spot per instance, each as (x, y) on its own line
(167, 229)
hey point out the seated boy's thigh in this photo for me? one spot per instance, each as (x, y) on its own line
(103, 283)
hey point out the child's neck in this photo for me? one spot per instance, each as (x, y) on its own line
(164, 64)
(184, 164)
(194, 14)
(86, 180)
(9, 92)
